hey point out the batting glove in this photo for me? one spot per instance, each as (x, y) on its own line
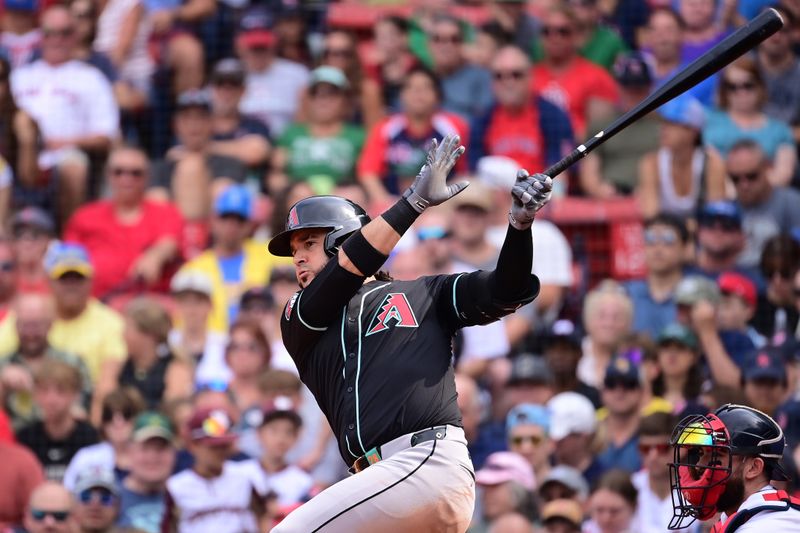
(529, 194)
(430, 187)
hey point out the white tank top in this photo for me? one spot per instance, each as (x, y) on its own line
(682, 206)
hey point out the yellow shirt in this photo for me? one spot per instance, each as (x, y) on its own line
(95, 335)
(256, 267)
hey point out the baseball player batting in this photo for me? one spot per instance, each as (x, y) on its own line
(725, 462)
(376, 353)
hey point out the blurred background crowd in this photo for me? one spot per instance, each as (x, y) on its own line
(149, 148)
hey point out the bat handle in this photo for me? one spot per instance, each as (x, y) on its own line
(566, 162)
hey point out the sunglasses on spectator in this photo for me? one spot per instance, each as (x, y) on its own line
(102, 496)
(561, 31)
(661, 449)
(127, 171)
(432, 232)
(726, 223)
(337, 52)
(216, 385)
(783, 273)
(40, 514)
(446, 39)
(744, 86)
(500, 75)
(659, 237)
(7, 266)
(58, 32)
(536, 440)
(752, 177)
(126, 413)
(612, 384)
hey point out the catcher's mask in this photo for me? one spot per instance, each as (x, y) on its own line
(704, 446)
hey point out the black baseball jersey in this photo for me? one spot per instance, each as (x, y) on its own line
(377, 356)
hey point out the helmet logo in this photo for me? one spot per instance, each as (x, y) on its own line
(293, 220)
(394, 309)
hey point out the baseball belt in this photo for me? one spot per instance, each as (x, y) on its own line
(385, 451)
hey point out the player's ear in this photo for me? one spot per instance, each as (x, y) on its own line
(753, 468)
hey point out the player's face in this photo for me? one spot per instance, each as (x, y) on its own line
(308, 254)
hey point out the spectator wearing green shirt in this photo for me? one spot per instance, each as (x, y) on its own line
(600, 44)
(323, 151)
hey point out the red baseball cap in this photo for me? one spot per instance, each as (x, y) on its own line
(734, 283)
(211, 426)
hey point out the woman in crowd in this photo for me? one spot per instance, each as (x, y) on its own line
(151, 368)
(776, 315)
(607, 317)
(612, 504)
(742, 96)
(120, 408)
(679, 373)
(681, 175)
(248, 356)
(324, 150)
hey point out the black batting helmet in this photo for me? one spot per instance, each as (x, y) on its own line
(703, 450)
(339, 216)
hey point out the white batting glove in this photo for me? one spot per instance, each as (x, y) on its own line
(529, 194)
(430, 187)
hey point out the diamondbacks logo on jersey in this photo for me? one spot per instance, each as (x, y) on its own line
(290, 305)
(394, 310)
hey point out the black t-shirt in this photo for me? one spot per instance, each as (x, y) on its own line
(247, 126)
(377, 356)
(55, 454)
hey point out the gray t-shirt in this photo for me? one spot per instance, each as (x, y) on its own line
(783, 94)
(779, 214)
(468, 92)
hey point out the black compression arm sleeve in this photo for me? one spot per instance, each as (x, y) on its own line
(512, 279)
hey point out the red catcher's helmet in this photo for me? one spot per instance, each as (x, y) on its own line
(703, 449)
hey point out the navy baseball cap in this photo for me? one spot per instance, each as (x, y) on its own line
(631, 70)
(529, 368)
(621, 370)
(22, 5)
(33, 217)
(724, 210)
(767, 363)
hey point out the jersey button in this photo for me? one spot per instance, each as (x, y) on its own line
(351, 426)
(351, 355)
(349, 389)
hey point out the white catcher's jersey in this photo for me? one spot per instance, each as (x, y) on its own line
(773, 517)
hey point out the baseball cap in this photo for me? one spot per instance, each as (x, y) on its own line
(738, 285)
(569, 477)
(528, 413)
(476, 195)
(228, 69)
(621, 369)
(22, 5)
(96, 477)
(280, 407)
(632, 70)
(767, 363)
(563, 509)
(63, 257)
(570, 413)
(255, 28)
(211, 426)
(194, 99)
(33, 217)
(529, 368)
(330, 75)
(692, 289)
(725, 210)
(191, 281)
(497, 172)
(684, 110)
(563, 331)
(501, 467)
(234, 200)
(152, 425)
(260, 296)
(678, 333)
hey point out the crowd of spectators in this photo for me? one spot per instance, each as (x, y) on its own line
(150, 148)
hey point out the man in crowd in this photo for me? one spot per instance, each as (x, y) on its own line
(562, 350)
(720, 239)
(142, 492)
(20, 35)
(73, 105)
(622, 397)
(767, 210)
(133, 241)
(527, 427)
(51, 509)
(665, 240)
(765, 380)
(780, 68)
(98, 501)
(572, 427)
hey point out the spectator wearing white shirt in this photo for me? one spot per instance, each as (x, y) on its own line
(273, 86)
(654, 502)
(73, 104)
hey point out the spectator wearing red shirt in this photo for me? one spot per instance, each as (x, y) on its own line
(131, 240)
(22, 473)
(526, 128)
(576, 85)
(395, 147)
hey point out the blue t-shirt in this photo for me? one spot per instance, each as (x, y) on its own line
(140, 511)
(231, 268)
(649, 316)
(722, 133)
(625, 457)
